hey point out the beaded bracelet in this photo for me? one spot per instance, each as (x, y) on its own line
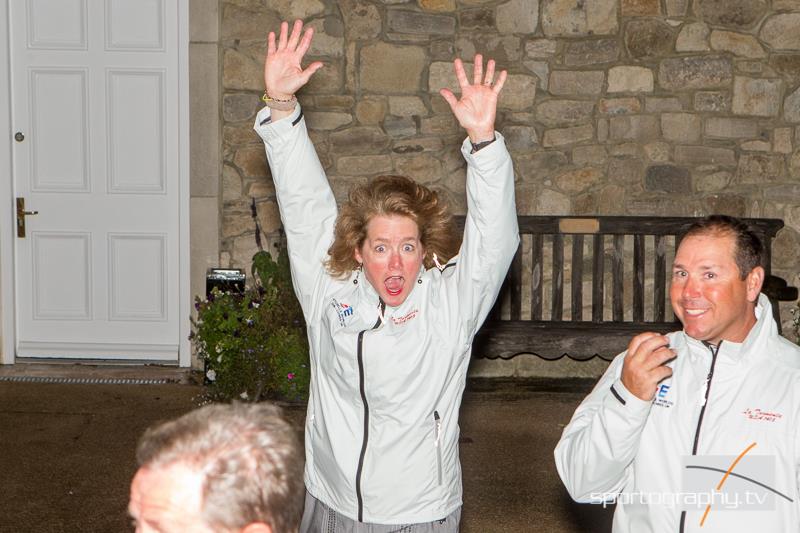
(279, 105)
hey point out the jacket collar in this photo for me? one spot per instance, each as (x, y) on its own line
(751, 348)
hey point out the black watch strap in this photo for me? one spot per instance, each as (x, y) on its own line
(482, 144)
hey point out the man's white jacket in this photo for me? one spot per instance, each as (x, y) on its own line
(741, 402)
(386, 383)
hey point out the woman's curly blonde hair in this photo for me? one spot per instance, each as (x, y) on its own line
(387, 196)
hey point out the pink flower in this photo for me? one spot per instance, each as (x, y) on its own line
(290, 376)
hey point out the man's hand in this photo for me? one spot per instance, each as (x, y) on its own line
(644, 368)
(283, 75)
(476, 109)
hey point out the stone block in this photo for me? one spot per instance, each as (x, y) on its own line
(519, 92)
(619, 106)
(405, 76)
(409, 146)
(260, 189)
(756, 146)
(297, 9)
(240, 106)
(640, 8)
(779, 193)
(542, 71)
(589, 155)
(519, 138)
(241, 72)
(779, 31)
(657, 152)
(568, 18)
(398, 127)
(693, 37)
(327, 80)
(407, 106)
(439, 125)
(538, 166)
(571, 82)
(630, 79)
(648, 38)
(695, 72)
(237, 220)
(704, 155)
(238, 22)
(476, 19)
(786, 5)
(758, 168)
(366, 165)
(371, 111)
(564, 136)
(602, 130)
(251, 162)
(204, 150)
(731, 128)
(667, 178)
(362, 20)
(204, 21)
(541, 48)
(518, 16)
(712, 101)
(550, 202)
(791, 107)
(442, 50)
(231, 184)
(437, 5)
(787, 65)
(424, 168)
(232, 135)
(677, 8)
(782, 140)
(358, 140)
(564, 112)
(785, 246)
(714, 181)
(629, 149)
(576, 181)
(726, 204)
(739, 14)
(413, 22)
(327, 120)
(634, 127)
(757, 96)
(626, 171)
(594, 52)
(661, 104)
(738, 44)
(328, 37)
(681, 127)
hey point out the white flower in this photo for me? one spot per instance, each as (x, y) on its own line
(256, 305)
(219, 359)
(219, 348)
(211, 375)
(243, 395)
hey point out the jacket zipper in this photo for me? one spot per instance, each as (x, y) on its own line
(714, 350)
(438, 444)
(363, 390)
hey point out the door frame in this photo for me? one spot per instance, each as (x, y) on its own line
(8, 328)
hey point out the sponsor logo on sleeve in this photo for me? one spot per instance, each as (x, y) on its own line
(343, 311)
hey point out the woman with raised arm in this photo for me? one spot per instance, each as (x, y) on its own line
(392, 305)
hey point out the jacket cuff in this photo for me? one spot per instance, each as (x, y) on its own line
(619, 395)
(487, 155)
(269, 131)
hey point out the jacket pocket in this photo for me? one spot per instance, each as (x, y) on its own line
(437, 443)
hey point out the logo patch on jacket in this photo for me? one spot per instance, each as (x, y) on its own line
(343, 311)
(405, 318)
(662, 396)
(758, 414)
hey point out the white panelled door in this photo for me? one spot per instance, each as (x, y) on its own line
(95, 111)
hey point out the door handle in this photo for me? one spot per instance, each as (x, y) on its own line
(21, 214)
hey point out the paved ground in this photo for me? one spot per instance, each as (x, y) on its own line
(66, 454)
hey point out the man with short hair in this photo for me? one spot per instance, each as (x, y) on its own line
(681, 423)
(222, 469)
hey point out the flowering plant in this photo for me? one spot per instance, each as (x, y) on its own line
(253, 344)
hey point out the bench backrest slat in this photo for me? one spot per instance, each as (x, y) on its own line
(537, 275)
(659, 279)
(617, 278)
(557, 300)
(598, 274)
(577, 274)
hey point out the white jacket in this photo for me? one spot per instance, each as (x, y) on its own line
(619, 444)
(382, 428)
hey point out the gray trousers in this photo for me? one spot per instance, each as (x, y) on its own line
(319, 518)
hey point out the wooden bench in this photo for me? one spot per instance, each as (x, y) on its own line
(583, 286)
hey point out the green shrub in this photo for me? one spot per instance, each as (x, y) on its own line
(253, 344)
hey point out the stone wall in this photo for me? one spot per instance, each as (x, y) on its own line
(625, 107)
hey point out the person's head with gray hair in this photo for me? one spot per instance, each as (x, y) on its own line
(220, 468)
